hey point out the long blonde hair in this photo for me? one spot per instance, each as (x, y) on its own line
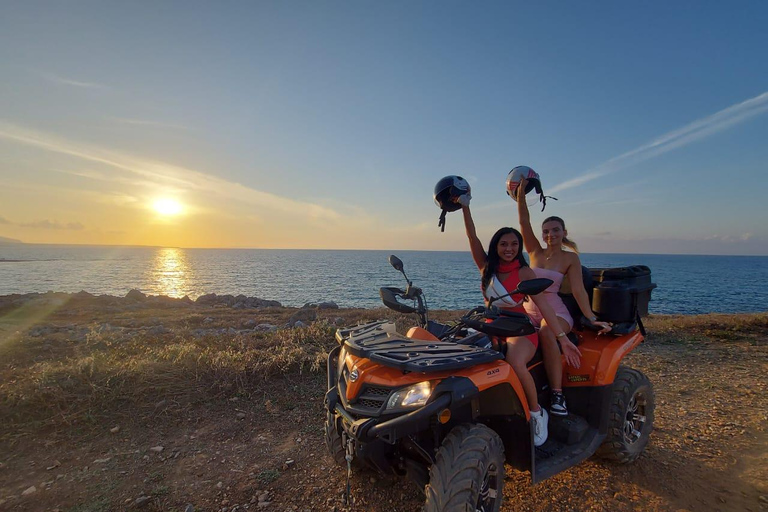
(566, 242)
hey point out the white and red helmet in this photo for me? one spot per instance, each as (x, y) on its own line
(534, 183)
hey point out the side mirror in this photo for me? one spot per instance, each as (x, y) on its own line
(395, 262)
(534, 286)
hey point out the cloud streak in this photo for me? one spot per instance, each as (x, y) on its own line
(162, 175)
(47, 224)
(144, 122)
(66, 81)
(692, 132)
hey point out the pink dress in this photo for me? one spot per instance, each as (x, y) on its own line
(551, 296)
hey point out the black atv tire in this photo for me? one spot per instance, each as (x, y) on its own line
(631, 417)
(468, 473)
(334, 442)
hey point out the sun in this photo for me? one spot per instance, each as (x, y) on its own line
(167, 207)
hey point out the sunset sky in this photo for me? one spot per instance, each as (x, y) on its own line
(326, 124)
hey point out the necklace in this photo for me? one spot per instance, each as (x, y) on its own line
(550, 256)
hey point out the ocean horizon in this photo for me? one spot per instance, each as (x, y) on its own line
(687, 284)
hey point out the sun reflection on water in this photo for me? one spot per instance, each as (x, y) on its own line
(171, 272)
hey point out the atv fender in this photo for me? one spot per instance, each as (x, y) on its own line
(611, 358)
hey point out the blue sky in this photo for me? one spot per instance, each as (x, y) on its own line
(327, 124)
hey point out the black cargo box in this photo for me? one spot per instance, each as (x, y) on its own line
(620, 293)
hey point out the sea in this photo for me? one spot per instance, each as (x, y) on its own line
(686, 284)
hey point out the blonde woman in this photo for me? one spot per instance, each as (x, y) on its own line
(553, 261)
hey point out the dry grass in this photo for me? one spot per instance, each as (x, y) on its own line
(63, 366)
(54, 380)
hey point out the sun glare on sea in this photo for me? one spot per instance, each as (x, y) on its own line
(167, 207)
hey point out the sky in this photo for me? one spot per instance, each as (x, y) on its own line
(325, 125)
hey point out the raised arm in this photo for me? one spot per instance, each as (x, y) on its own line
(530, 242)
(580, 294)
(475, 245)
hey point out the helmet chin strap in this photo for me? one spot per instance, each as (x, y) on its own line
(441, 221)
(544, 200)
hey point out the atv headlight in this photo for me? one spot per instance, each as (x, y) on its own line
(412, 396)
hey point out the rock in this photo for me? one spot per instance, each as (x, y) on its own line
(142, 500)
(209, 298)
(303, 315)
(29, 490)
(156, 449)
(189, 508)
(264, 496)
(266, 327)
(299, 324)
(135, 295)
(263, 504)
(158, 330)
(250, 323)
(241, 415)
(115, 429)
(102, 461)
(219, 485)
(207, 320)
(328, 305)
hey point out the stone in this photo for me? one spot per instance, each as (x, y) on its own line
(115, 429)
(135, 295)
(156, 449)
(303, 315)
(142, 501)
(29, 490)
(241, 415)
(158, 330)
(328, 305)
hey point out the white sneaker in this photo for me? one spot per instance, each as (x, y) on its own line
(539, 420)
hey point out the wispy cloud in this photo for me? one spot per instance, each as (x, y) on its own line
(145, 122)
(47, 224)
(697, 130)
(51, 77)
(142, 172)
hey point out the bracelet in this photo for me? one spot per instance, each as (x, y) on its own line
(560, 334)
(593, 319)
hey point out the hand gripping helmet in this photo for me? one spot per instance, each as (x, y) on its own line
(534, 182)
(446, 190)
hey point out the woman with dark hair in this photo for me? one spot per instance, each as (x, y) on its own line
(502, 268)
(553, 262)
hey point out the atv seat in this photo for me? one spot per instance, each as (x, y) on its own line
(570, 301)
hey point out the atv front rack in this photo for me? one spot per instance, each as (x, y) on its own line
(378, 343)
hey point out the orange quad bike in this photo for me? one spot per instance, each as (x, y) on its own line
(443, 408)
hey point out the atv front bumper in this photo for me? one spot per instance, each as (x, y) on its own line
(388, 430)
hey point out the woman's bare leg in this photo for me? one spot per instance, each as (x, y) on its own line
(553, 361)
(520, 350)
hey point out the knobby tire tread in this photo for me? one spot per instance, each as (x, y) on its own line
(459, 468)
(627, 381)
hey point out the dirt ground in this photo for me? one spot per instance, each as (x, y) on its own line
(265, 451)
